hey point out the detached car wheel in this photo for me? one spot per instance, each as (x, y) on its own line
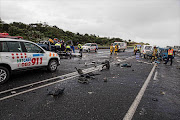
(4, 74)
(52, 66)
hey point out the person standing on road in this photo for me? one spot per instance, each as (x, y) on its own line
(154, 55)
(135, 50)
(111, 48)
(80, 49)
(170, 55)
(116, 49)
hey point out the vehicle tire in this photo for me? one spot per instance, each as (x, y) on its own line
(52, 66)
(4, 74)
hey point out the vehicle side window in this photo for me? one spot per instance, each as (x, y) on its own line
(14, 46)
(32, 48)
(3, 47)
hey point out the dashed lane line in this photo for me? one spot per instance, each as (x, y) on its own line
(133, 107)
(155, 76)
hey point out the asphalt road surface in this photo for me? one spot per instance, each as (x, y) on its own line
(143, 91)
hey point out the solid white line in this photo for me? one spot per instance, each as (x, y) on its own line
(10, 96)
(46, 80)
(155, 76)
(137, 100)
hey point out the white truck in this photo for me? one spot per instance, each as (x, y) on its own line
(121, 45)
(18, 54)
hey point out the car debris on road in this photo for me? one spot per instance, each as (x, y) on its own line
(56, 91)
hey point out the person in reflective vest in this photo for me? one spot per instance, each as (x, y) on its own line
(68, 48)
(111, 48)
(57, 47)
(135, 50)
(155, 54)
(80, 49)
(170, 55)
(116, 49)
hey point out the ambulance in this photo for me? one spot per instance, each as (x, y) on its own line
(121, 45)
(18, 54)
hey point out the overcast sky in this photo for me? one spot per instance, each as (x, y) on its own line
(154, 21)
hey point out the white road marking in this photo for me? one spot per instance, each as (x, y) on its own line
(137, 100)
(155, 76)
(74, 75)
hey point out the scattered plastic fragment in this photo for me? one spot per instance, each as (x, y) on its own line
(126, 65)
(90, 93)
(105, 79)
(13, 92)
(163, 93)
(154, 99)
(56, 91)
(142, 112)
(83, 80)
(157, 62)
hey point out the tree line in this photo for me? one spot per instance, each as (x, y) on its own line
(42, 31)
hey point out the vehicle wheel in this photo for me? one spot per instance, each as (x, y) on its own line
(52, 66)
(4, 74)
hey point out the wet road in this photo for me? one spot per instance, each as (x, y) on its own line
(98, 100)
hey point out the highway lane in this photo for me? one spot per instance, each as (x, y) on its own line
(98, 99)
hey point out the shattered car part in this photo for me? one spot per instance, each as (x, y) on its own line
(56, 91)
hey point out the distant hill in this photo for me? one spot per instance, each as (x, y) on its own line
(42, 31)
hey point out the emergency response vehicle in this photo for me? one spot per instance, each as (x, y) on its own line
(121, 45)
(21, 54)
(90, 47)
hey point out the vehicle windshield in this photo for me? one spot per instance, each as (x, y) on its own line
(116, 44)
(148, 47)
(87, 44)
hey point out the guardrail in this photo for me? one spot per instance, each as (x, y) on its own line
(106, 47)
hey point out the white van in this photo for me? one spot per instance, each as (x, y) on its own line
(18, 54)
(121, 45)
(145, 49)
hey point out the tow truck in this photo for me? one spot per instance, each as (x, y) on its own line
(47, 45)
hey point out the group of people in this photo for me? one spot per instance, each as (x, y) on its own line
(170, 55)
(115, 49)
(155, 53)
(61, 46)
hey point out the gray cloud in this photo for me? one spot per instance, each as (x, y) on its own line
(155, 21)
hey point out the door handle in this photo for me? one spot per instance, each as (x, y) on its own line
(7, 57)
